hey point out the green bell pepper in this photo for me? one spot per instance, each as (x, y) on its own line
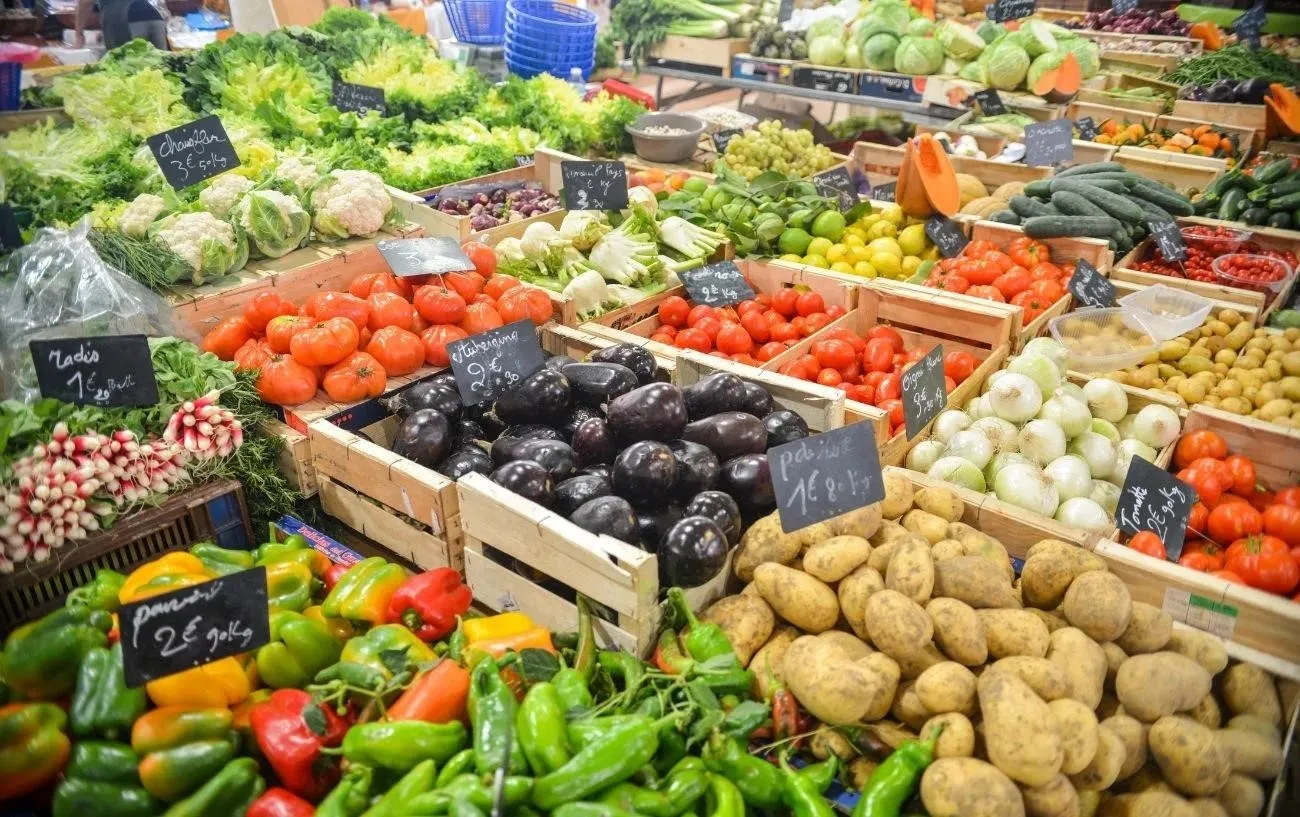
(222, 561)
(363, 593)
(100, 594)
(288, 586)
(101, 779)
(377, 648)
(102, 704)
(230, 791)
(299, 648)
(40, 659)
(400, 745)
(294, 549)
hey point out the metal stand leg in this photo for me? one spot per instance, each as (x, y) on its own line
(659, 93)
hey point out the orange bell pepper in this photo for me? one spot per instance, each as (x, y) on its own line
(438, 695)
(172, 571)
(222, 683)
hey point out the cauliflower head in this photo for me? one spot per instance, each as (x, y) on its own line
(275, 223)
(298, 172)
(142, 212)
(210, 246)
(224, 192)
(350, 203)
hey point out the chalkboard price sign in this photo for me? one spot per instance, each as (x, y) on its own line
(837, 183)
(825, 475)
(784, 11)
(1152, 499)
(191, 153)
(989, 102)
(424, 256)
(999, 11)
(723, 138)
(525, 161)
(946, 235)
(11, 238)
(720, 284)
(1089, 287)
(109, 370)
(884, 192)
(489, 364)
(1169, 237)
(594, 185)
(359, 98)
(1048, 144)
(197, 625)
(1121, 6)
(1087, 128)
(925, 391)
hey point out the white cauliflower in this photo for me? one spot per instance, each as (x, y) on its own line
(210, 246)
(139, 214)
(275, 223)
(225, 191)
(300, 173)
(351, 203)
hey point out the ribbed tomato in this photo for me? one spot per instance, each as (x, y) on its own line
(282, 329)
(325, 343)
(356, 377)
(388, 309)
(286, 382)
(435, 340)
(325, 305)
(518, 303)
(437, 304)
(263, 307)
(227, 337)
(1264, 562)
(480, 318)
(398, 350)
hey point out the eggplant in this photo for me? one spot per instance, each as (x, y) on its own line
(593, 442)
(719, 507)
(554, 455)
(600, 469)
(1252, 91)
(758, 401)
(645, 473)
(748, 479)
(445, 378)
(697, 467)
(610, 515)
(577, 417)
(505, 447)
(429, 393)
(783, 427)
(640, 361)
(653, 524)
(693, 551)
(1222, 91)
(729, 434)
(595, 384)
(526, 478)
(542, 397)
(653, 412)
(467, 431)
(574, 491)
(532, 431)
(558, 362)
(714, 394)
(464, 461)
(424, 437)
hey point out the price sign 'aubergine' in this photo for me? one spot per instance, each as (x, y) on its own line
(594, 185)
(1153, 499)
(489, 364)
(109, 370)
(720, 284)
(826, 475)
(925, 391)
(191, 153)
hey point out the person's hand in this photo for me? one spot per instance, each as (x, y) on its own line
(79, 39)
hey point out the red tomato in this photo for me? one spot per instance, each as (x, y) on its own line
(673, 311)
(1033, 304)
(1013, 282)
(829, 377)
(1283, 521)
(894, 408)
(887, 332)
(979, 248)
(808, 303)
(835, 354)
(662, 337)
(784, 331)
(1243, 475)
(438, 304)
(1148, 543)
(1264, 562)
(1227, 576)
(848, 336)
(1232, 521)
(769, 350)
(693, 338)
(959, 364)
(733, 339)
(744, 358)
(1045, 270)
(988, 293)
(498, 285)
(890, 388)
(1202, 555)
(756, 326)
(1050, 290)
(529, 302)
(325, 305)
(999, 261)
(979, 273)
(836, 311)
(710, 326)
(467, 284)
(1195, 445)
(955, 283)
(816, 322)
(388, 309)
(1196, 520)
(263, 307)
(435, 340)
(1027, 252)
(483, 257)
(748, 306)
(879, 355)
(862, 393)
(700, 312)
(786, 302)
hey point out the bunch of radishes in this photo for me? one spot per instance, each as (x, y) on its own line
(205, 429)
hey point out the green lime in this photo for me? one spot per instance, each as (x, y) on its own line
(793, 241)
(829, 224)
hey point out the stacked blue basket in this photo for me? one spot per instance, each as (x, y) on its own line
(478, 22)
(543, 36)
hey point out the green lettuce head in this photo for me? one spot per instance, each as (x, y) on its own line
(918, 56)
(1006, 66)
(878, 51)
(275, 223)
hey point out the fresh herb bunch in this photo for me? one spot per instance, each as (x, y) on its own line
(147, 261)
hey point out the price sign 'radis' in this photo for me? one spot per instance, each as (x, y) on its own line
(108, 370)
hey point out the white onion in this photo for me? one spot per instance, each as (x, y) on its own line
(1001, 433)
(991, 380)
(1125, 427)
(1070, 475)
(1097, 451)
(923, 455)
(1106, 399)
(1105, 494)
(1105, 428)
(1016, 398)
(949, 423)
(972, 445)
(1124, 453)
(1081, 512)
(979, 407)
(1073, 390)
(1042, 441)
(959, 472)
(1070, 414)
(1001, 461)
(1025, 486)
(1050, 349)
(1038, 369)
(1157, 426)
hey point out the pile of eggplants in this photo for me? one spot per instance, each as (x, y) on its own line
(617, 450)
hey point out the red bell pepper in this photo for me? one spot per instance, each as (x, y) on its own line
(278, 802)
(291, 739)
(428, 603)
(332, 575)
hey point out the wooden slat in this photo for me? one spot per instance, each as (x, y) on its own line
(295, 457)
(1243, 116)
(1274, 449)
(1100, 113)
(388, 529)
(1183, 172)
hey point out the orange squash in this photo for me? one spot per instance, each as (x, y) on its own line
(1283, 105)
(909, 193)
(938, 180)
(1210, 35)
(1061, 83)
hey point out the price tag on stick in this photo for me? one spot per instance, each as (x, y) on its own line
(197, 625)
(720, 284)
(825, 475)
(1169, 237)
(489, 364)
(191, 153)
(723, 138)
(1153, 499)
(358, 99)
(884, 192)
(594, 185)
(1048, 144)
(1089, 287)
(424, 256)
(1087, 128)
(925, 391)
(837, 183)
(109, 370)
(989, 102)
(946, 235)
(999, 11)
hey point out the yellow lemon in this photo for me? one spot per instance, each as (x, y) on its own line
(882, 229)
(866, 221)
(864, 269)
(798, 259)
(893, 214)
(887, 246)
(886, 264)
(817, 261)
(842, 266)
(837, 252)
(930, 254)
(818, 246)
(853, 240)
(912, 239)
(910, 264)
(857, 254)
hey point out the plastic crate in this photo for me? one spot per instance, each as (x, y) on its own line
(215, 512)
(1168, 312)
(480, 22)
(546, 36)
(1102, 339)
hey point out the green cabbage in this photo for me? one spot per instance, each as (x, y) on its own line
(959, 41)
(974, 72)
(951, 66)
(825, 27)
(853, 56)
(1006, 66)
(890, 16)
(920, 27)
(1085, 53)
(878, 51)
(826, 51)
(918, 56)
(1035, 38)
(990, 31)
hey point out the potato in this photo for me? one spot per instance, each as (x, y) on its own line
(1207, 807)
(797, 597)
(863, 522)
(1083, 662)
(852, 646)
(907, 707)
(1053, 621)
(957, 738)
(1241, 796)
(1202, 648)
(830, 686)
(1148, 778)
(1089, 802)
(898, 495)
(1077, 726)
(947, 687)
(1020, 733)
(881, 554)
(888, 531)
(1256, 724)
(860, 770)
(933, 528)
(1149, 629)
(1146, 804)
(941, 502)
(1114, 658)
(885, 675)
(1013, 632)
(913, 664)
(979, 543)
(1248, 689)
(853, 592)
(1046, 679)
(966, 787)
(768, 659)
(1049, 570)
(1250, 753)
(827, 742)
(1206, 712)
(746, 620)
(1106, 763)
(1189, 755)
(836, 557)
(958, 632)
(911, 569)
(1133, 733)
(1099, 604)
(765, 542)
(897, 625)
(978, 581)
(1055, 799)
(1159, 684)
(947, 549)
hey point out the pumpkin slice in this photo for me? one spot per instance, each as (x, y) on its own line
(1068, 79)
(1055, 76)
(937, 177)
(1285, 106)
(910, 192)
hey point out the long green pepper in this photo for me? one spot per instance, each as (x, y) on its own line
(608, 759)
(896, 778)
(801, 795)
(350, 797)
(703, 640)
(540, 726)
(759, 781)
(492, 712)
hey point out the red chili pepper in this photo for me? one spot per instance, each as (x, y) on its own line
(293, 746)
(428, 603)
(278, 802)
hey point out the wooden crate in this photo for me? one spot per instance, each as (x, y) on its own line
(1140, 61)
(1116, 41)
(1186, 174)
(1096, 96)
(1251, 304)
(1100, 113)
(1284, 147)
(295, 457)
(578, 343)
(1245, 135)
(1087, 153)
(715, 54)
(1243, 116)
(500, 526)
(881, 164)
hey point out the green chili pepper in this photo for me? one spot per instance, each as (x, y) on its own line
(582, 733)
(723, 798)
(608, 759)
(540, 727)
(400, 745)
(100, 594)
(416, 781)
(591, 810)
(801, 795)
(896, 778)
(759, 781)
(676, 794)
(672, 749)
(460, 763)
(575, 696)
(457, 641)
(492, 709)
(821, 774)
(361, 676)
(460, 807)
(622, 666)
(481, 791)
(350, 797)
(703, 640)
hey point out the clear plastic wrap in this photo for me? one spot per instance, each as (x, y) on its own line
(57, 287)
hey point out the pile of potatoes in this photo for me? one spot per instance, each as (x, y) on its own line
(1228, 365)
(1059, 695)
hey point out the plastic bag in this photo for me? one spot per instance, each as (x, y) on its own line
(59, 288)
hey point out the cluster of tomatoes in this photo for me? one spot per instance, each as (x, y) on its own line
(1024, 275)
(753, 331)
(1237, 530)
(350, 343)
(1204, 244)
(1196, 267)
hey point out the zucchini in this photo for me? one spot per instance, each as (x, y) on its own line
(1096, 167)
(1115, 186)
(1283, 188)
(1116, 206)
(1005, 217)
(1164, 198)
(1255, 216)
(1025, 207)
(1273, 171)
(1072, 204)
(1153, 211)
(1228, 208)
(1288, 202)
(1039, 188)
(1280, 220)
(1072, 226)
(1204, 205)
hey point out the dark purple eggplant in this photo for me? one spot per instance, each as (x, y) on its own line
(526, 478)
(729, 434)
(558, 362)
(714, 394)
(653, 412)
(748, 480)
(640, 361)
(652, 524)
(532, 431)
(593, 442)
(554, 455)
(1222, 91)
(576, 418)
(505, 447)
(783, 427)
(441, 399)
(542, 397)
(610, 515)
(574, 491)
(719, 507)
(468, 430)
(645, 473)
(758, 401)
(425, 394)
(595, 384)
(697, 467)
(445, 378)
(693, 551)
(600, 469)
(464, 461)
(1252, 91)
(424, 437)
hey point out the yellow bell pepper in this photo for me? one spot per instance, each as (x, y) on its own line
(340, 628)
(222, 683)
(172, 571)
(491, 628)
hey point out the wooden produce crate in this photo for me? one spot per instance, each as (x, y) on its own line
(1097, 96)
(697, 52)
(1245, 135)
(1227, 113)
(1283, 147)
(1185, 173)
(882, 162)
(1108, 41)
(1140, 61)
(562, 559)
(1102, 112)
(578, 343)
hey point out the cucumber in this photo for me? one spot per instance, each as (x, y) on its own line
(1072, 204)
(1153, 211)
(1072, 226)
(1122, 242)
(1096, 167)
(1231, 200)
(1025, 207)
(1161, 196)
(1204, 205)
(1116, 206)
(1115, 186)
(1039, 188)
(1288, 202)
(1005, 217)
(1273, 171)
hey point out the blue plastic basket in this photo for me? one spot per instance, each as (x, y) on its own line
(479, 22)
(11, 81)
(546, 36)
